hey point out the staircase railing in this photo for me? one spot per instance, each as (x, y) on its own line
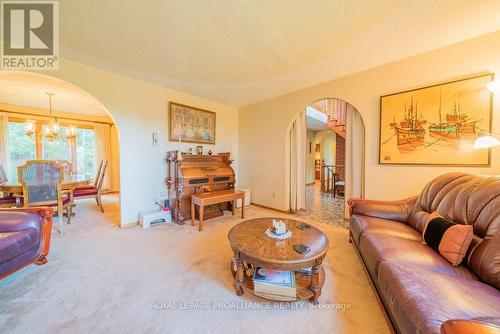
(327, 178)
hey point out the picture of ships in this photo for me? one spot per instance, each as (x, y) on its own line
(410, 130)
(437, 124)
(444, 130)
(462, 121)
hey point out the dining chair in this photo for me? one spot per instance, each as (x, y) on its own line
(338, 185)
(41, 181)
(7, 200)
(94, 185)
(94, 190)
(68, 166)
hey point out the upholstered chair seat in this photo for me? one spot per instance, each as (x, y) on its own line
(84, 192)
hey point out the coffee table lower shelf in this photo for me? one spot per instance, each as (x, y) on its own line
(302, 285)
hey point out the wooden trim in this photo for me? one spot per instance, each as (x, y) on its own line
(58, 117)
(269, 208)
(38, 142)
(46, 122)
(74, 158)
(310, 183)
(129, 225)
(170, 104)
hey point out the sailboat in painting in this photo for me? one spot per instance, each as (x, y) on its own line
(410, 129)
(444, 130)
(463, 121)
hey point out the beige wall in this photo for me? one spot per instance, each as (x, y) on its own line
(138, 109)
(328, 143)
(263, 126)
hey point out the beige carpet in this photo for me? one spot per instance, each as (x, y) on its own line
(102, 279)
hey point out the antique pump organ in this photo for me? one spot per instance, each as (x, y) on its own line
(189, 174)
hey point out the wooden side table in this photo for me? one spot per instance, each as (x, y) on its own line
(251, 244)
(215, 197)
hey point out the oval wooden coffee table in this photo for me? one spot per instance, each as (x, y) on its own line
(251, 244)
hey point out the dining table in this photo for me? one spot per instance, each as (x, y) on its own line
(70, 181)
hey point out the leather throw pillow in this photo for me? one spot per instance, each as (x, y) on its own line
(449, 239)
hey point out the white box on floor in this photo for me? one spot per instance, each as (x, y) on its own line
(247, 198)
(152, 218)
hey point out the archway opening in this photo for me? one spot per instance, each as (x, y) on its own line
(46, 118)
(326, 165)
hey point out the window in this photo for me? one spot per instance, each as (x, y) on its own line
(85, 152)
(80, 151)
(58, 150)
(21, 146)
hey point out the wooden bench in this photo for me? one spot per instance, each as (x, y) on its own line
(216, 197)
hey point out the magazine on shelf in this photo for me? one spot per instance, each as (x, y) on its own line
(272, 276)
(274, 282)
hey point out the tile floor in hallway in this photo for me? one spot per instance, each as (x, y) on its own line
(323, 207)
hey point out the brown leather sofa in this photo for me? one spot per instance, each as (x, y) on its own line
(420, 289)
(24, 238)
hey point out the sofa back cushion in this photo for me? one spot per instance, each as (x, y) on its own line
(470, 200)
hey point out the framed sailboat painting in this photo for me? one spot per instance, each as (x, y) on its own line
(436, 125)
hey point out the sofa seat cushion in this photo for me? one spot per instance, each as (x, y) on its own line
(376, 248)
(13, 244)
(420, 300)
(360, 224)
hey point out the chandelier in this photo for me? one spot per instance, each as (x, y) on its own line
(52, 132)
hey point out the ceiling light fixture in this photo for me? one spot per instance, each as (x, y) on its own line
(29, 128)
(52, 132)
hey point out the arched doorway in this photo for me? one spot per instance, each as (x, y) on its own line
(31, 103)
(326, 166)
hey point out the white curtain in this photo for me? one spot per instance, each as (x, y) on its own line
(355, 155)
(297, 138)
(103, 150)
(4, 144)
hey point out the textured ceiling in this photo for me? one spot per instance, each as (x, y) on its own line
(242, 52)
(215, 41)
(28, 90)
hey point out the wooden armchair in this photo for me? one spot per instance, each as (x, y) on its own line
(42, 186)
(14, 223)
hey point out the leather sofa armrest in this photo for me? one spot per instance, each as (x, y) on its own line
(392, 210)
(471, 326)
(46, 214)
